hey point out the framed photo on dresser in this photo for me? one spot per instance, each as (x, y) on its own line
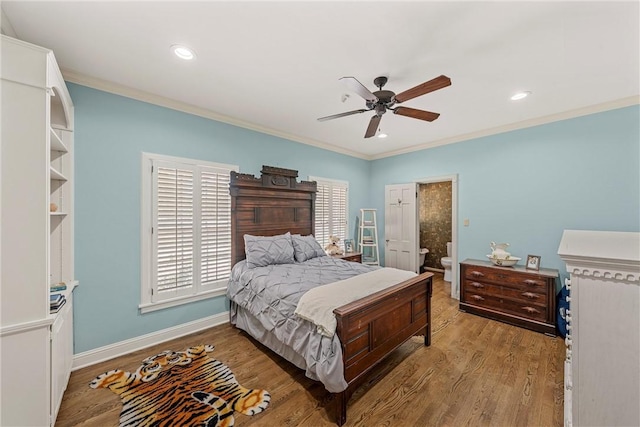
(348, 246)
(533, 262)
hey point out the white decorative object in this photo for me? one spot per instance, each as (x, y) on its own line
(507, 261)
(602, 369)
(498, 250)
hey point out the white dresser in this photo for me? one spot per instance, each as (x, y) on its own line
(602, 367)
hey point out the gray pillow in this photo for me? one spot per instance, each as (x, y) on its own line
(262, 250)
(306, 247)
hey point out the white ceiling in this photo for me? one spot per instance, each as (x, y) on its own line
(274, 66)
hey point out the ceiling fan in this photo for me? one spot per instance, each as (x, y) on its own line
(382, 100)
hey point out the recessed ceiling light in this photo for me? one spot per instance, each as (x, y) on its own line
(183, 52)
(381, 134)
(520, 95)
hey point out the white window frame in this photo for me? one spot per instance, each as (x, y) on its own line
(332, 183)
(148, 301)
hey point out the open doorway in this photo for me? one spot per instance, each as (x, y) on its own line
(437, 225)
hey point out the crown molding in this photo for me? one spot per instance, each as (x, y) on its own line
(584, 111)
(139, 95)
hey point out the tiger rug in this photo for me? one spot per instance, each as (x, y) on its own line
(185, 388)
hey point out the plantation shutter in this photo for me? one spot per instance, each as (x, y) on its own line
(173, 231)
(215, 227)
(331, 212)
(339, 211)
(322, 218)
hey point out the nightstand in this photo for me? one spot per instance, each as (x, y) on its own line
(350, 256)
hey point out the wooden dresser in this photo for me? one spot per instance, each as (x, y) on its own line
(514, 295)
(350, 256)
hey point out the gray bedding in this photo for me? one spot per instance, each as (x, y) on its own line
(263, 301)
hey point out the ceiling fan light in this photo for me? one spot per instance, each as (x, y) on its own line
(520, 95)
(382, 134)
(183, 52)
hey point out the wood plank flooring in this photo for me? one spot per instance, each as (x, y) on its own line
(476, 372)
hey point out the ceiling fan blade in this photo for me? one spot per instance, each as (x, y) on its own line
(421, 89)
(353, 84)
(335, 116)
(416, 114)
(373, 126)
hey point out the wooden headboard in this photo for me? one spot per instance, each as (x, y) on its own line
(272, 204)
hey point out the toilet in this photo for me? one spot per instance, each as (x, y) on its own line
(446, 263)
(423, 254)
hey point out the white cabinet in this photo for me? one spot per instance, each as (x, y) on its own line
(602, 367)
(61, 354)
(36, 250)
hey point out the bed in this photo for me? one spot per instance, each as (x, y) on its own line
(276, 205)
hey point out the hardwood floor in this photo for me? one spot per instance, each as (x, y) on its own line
(476, 372)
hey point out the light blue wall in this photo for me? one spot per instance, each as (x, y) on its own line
(525, 187)
(111, 132)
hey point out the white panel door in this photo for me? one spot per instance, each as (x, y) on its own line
(401, 227)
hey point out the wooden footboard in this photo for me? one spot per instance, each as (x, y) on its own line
(372, 327)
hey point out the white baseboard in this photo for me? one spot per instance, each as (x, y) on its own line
(97, 355)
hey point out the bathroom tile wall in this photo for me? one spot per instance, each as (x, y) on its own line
(435, 221)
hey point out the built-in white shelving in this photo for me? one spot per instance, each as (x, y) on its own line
(56, 142)
(37, 244)
(56, 176)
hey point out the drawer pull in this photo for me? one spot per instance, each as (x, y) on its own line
(477, 274)
(501, 276)
(530, 295)
(477, 297)
(531, 310)
(477, 285)
(530, 282)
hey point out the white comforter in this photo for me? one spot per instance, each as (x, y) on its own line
(317, 304)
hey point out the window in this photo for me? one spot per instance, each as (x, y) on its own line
(332, 209)
(186, 230)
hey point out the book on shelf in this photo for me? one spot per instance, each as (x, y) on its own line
(55, 298)
(57, 287)
(56, 308)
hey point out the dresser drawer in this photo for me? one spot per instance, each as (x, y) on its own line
(499, 303)
(529, 311)
(523, 281)
(526, 296)
(472, 286)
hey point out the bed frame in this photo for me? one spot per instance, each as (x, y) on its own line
(370, 328)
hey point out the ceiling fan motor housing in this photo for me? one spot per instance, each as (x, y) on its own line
(385, 100)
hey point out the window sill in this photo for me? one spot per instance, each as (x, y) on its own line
(161, 305)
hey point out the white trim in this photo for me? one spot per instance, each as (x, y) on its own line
(148, 307)
(106, 86)
(26, 326)
(195, 162)
(97, 355)
(146, 214)
(329, 180)
(571, 114)
(455, 282)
